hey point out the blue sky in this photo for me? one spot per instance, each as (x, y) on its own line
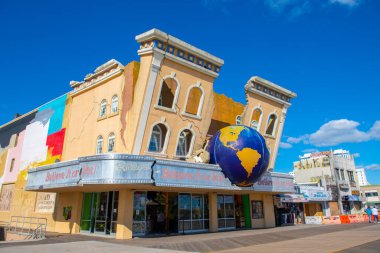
(327, 51)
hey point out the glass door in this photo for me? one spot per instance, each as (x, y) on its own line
(99, 212)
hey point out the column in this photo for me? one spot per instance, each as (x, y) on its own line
(213, 211)
(269, 219)
(125, 215)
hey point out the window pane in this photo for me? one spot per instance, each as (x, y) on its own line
(184, 206)
(197, 206)
(221, 210)
(193, 101)
(114, 107)
(168, 90)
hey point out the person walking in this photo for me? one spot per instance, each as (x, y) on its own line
(368, 211)
(375, 214)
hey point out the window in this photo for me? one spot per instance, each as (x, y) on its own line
(256, 119)
(337, 174)
(99, 145)
(12, 165)
(271, 125)
(351, 176)
(371, 194)
(157, 139)
(342, 174)
(194, 99)
(238, 120)
(257, 210)
(184, 143)
(168, 93)
(111, 142)
(16, 139)
(115, 104)
(103, 108)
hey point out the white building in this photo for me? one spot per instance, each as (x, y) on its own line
(362, 177)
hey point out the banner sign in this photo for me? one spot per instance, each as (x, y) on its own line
(189, 175)
(100, 169)
(316, 195)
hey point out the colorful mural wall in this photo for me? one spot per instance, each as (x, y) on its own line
(33, 140)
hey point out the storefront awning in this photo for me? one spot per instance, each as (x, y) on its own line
(351, 198)
(291, 198)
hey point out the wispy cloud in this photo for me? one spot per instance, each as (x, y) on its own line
(350, 3)
(292, 8)
(372, 167)
(336, 132)
(285, 145)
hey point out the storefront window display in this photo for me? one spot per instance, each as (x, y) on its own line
(193, 212)
(226, 212)
(139, 213)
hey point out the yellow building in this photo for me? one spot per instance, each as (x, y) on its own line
(114, 156)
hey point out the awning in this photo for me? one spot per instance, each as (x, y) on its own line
(351, 198)
(291, 198)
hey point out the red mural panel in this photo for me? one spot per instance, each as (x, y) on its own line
(55, 142)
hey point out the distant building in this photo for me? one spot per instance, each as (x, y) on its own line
(370, 194)
(292, 174)
(362, 177)
(335, 171)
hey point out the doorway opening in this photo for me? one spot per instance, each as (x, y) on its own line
(99, 212)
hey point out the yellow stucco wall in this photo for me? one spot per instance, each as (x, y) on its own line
(177, 120)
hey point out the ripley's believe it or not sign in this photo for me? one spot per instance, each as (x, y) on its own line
(129, 169)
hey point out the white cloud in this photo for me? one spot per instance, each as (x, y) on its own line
(350, 3)
(285, 145)
(302, 138)
(310, 150)
(374, 132)
(372, 167)
(336, 132)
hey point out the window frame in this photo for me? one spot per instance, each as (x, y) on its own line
(260, 119)
(100, 137)
(164, 143)
(103, 103)
(110, 137)
(176, 94)
(191, 145)
(273, 134)
(112, 104)
(201, 101)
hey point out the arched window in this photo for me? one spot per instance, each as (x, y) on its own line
(238, 120)
(256, 119)
(168, 93)
(103, 108)
(194, 100)
(271, 125)
(115, 104)
(184, 143)
(111, 142)
(157, 138)
(99, 145)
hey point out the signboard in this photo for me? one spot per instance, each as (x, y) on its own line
(100, 169)
(6, 197)
(274, 182)
(189, 175)
(313, 220)
(291, 198)
(45, 202)
(316, 195)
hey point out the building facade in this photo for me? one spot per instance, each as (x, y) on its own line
(335, 171)
(370, 195)
(117, 155)
(362, 177)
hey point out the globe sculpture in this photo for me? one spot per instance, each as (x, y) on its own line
(241, 152)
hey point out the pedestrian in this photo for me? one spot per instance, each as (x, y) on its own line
(368, 211)
(375, 214)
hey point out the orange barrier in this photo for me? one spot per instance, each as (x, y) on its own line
(344, 219)
(353, 218)
(331, 220)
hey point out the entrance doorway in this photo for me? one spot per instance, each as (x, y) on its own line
(161, 212)
(99, 212)
(242, 211)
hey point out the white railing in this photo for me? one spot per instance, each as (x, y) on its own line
(30, 227)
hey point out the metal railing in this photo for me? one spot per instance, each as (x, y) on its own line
(30, 227)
